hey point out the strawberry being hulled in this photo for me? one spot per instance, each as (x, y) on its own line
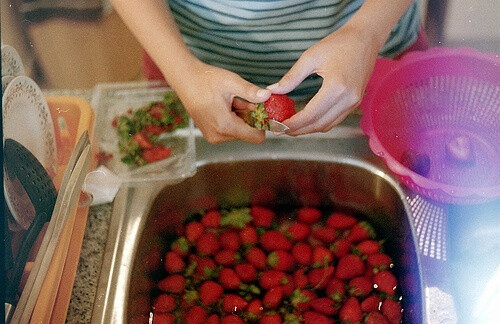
(278, 107)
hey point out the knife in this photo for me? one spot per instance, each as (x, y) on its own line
(72, 182)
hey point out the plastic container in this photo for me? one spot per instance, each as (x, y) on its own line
(114, 99)
(425, 103)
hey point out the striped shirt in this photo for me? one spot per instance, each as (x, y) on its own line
(261, 39)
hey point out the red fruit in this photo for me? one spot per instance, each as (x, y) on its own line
(308, 215)
(164, 303)
(207, 244)
(196, 315)
(205, 267)
(279, 107)
(156, 153)
(229, 279)
(214, 319)
(142, 140)
(155, 129)
(262, 216)
(301, 298)
(350, 266)
(367, 247)
(210, 292)
(211, 219)
(271, 319)
(350, 312)
(360, 231)
(227, 257)
(249, 236)
(257, 258)
(335, 289)
(174, 283)
(371, 303)
(157, 111)
(280, 260)
(340, 247)
(275, 240)
(272, 278)
(254, 309)
(230, 240)
(375, 317)
(300, 278)
(246, 272)
(302, 253)
(378, 262)
(232, 319)
(299, 231)
(325, 234)
(324, 305)
(189, 299)
(385, 282)
(180, 246)
(233, 303)
(321, 257)
(360, 286)
(289, 287)
(319, 278)
(174, 262)
(162, 318)
(273, 297)
(193, 231)
(341, 221)
(392, 311)
(316, 318)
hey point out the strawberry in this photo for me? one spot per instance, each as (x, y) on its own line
(257, 258)
(174, 283)
(229, 279)
(205, 267)
(273, 297)
(161, 318)
(308, 215)
(210, 292)
(271, 319)
(232, 319)
(350, 266)
(341, 221)
(156, 153)
(288, 287)
(301, 299)
(180, 246)
(298, 231)
(189, 299)
(164, 303)
(142, 140)
(367, 247)
(340, 247)
(321, 256)
(302, 253)
(360, 286)
(360, 231)
(300, 278)
(272, 278)
(230, 240)
(278, 107)
(193, 231)
(207, 244)
(280, 260)
(316, 318)
(174, 263)
(262, 216)
(254, 309)
(227, 257)
(325, 234)
(371, 303)
(385, 282)
(211, 219)
(233, 303)
(214, 319)
(392, 311)
(350, 312)
(275, 240)
(319, 278)
(378, 262)
(155, 129)
(196, 315)
(375, 317)
(157, 111)
(249, 236)
(335, 289)
(246, 272)
(324, 305)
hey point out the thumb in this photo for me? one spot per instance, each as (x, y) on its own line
(297, 73)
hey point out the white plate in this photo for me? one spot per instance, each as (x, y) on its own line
(11, 62)
(27, 119)
(5, 81)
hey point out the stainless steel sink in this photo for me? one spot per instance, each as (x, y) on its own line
(336, 169)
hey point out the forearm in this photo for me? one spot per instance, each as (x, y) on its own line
(152, 23)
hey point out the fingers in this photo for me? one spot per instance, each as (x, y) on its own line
(233, 128)
(297, 73)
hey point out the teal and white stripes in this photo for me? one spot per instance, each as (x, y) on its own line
(262, 39)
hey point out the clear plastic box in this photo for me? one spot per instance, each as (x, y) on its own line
(114, 99)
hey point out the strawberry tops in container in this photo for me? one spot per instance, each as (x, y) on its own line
(143, 132)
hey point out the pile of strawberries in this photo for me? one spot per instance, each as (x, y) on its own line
(251, 265)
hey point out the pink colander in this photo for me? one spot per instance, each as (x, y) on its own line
(424, 102)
